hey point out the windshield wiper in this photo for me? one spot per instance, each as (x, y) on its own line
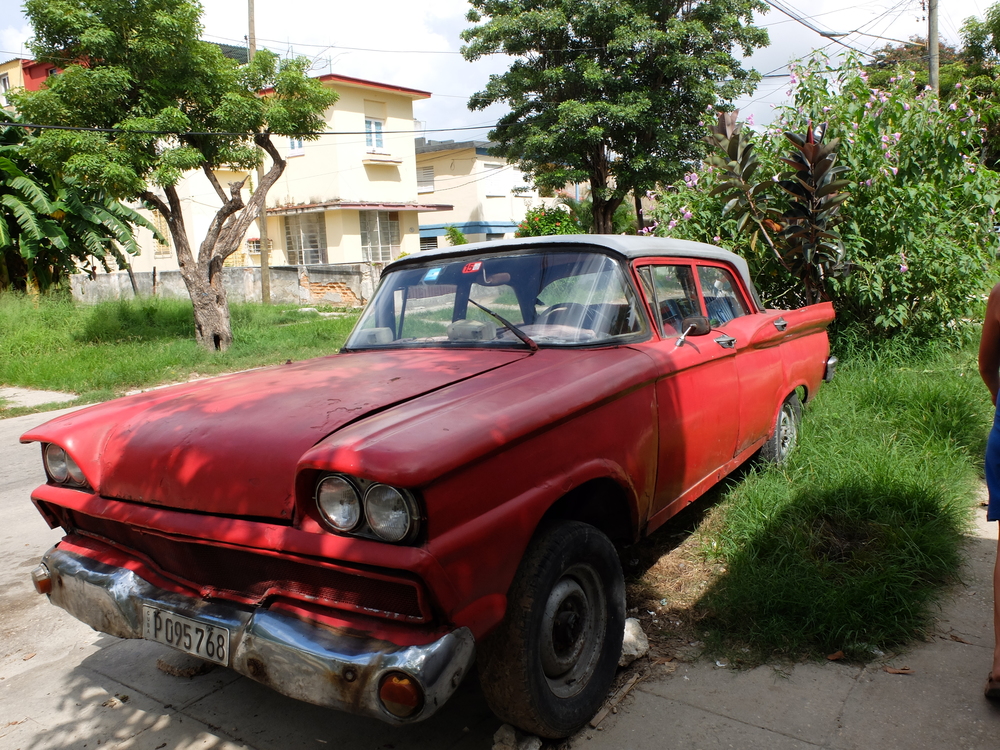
(513, 328)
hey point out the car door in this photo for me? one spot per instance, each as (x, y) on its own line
(753, 337)
(697, 389)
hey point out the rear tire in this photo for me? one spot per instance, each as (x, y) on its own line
(786, 432)
(549, 664)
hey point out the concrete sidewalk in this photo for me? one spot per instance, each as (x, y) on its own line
(832, 705)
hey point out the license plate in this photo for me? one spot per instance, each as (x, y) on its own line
(209, 642)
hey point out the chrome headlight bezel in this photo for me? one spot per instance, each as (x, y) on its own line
(330, 518)
(372, 525)
(377, 497)
(61, 468)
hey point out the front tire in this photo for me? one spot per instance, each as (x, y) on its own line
(548, 666)
(786, 432)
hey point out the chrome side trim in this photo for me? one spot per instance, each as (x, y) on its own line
(308, 661)
(831, 369)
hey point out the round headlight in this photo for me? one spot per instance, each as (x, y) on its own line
(75, 472)
(55, 463)
(338, 503)
(390, 513)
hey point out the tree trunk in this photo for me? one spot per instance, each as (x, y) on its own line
(604, 211)
(203, 277)
(212, 326)
(640, 221)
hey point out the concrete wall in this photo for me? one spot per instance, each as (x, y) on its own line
(347, 285)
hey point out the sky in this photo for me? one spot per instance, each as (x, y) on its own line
(417, 45)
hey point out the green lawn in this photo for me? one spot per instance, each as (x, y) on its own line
(846, 548)
(105, 350)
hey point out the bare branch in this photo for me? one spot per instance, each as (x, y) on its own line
(210, 174)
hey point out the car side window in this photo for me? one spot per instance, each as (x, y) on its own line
(723, 301)
(675, 296)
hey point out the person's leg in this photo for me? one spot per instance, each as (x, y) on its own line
(995, 674)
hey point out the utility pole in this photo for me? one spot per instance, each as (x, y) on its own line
(932, 46)
(265, 270)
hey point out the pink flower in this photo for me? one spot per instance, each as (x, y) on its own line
(672, 224)
(953, 106)
(904, 268)
(716, 238)
(750, 119)
(895, 170)
(687, 215)
(958, 85)
(792, 78)
(906, 106)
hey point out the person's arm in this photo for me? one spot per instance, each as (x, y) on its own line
(989, 345)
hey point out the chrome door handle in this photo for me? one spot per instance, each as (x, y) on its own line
(726, 342)
(781, 324)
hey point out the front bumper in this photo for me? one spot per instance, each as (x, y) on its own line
(308, 661)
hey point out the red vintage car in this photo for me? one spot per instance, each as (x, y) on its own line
(355, 530)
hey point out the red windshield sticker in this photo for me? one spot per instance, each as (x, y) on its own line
(472, 267)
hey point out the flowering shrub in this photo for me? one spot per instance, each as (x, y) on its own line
(918, 227)
(541, 221)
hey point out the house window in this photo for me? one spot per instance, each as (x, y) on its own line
(253, 246)
(4, 88)
(495, 182)
(425, 179)
(161, 249)
(373, 134)
(428, 243)
(379, 235)
(296, 147)
(305, 239)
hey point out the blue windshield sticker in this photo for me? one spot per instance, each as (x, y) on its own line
(432, 274)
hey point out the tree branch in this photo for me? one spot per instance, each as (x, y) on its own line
(210, 174)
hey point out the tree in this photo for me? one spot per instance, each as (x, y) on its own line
(50, 225)
(610, 91)
(169, 103)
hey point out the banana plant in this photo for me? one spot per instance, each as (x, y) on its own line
(51, 226)
(798, 222)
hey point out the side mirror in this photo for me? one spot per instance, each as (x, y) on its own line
(696, 325)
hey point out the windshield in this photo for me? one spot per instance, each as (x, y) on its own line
(555, 298)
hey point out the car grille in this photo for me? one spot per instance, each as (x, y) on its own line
(252, 576)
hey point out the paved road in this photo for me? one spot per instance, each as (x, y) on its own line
(63, 685)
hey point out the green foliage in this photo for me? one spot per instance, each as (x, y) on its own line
(541, 221)
(455, 236)
(582, 212)
(147, 70)
(797, 226)
(162, 103)
(50, 225)
(610, 91)
(918, 230)
(101, 351)
(848, 546)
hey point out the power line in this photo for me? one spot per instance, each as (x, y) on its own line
(36, 126)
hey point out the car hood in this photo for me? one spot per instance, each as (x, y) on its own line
(230, 445)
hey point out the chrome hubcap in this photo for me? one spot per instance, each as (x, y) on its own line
(573, 627)
(787, 431)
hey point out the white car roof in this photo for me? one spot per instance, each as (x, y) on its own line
(625, 245)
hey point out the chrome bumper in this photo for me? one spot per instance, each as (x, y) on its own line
(830, 370)
(307, 661)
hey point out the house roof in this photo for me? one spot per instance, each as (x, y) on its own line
(427, 147)
(338, 205)
(234, 52)
(362, 83)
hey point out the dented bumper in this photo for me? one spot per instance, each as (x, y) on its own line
(305, 660)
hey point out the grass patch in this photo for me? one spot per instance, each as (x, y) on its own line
(107, 349)
(846, 547)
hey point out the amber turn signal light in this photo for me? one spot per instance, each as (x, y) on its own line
(400, 694)
(42, 579)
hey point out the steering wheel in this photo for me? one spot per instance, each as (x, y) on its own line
(560, 312)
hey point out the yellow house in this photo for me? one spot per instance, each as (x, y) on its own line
(348, 197)
(11, 77)
(489, 196)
